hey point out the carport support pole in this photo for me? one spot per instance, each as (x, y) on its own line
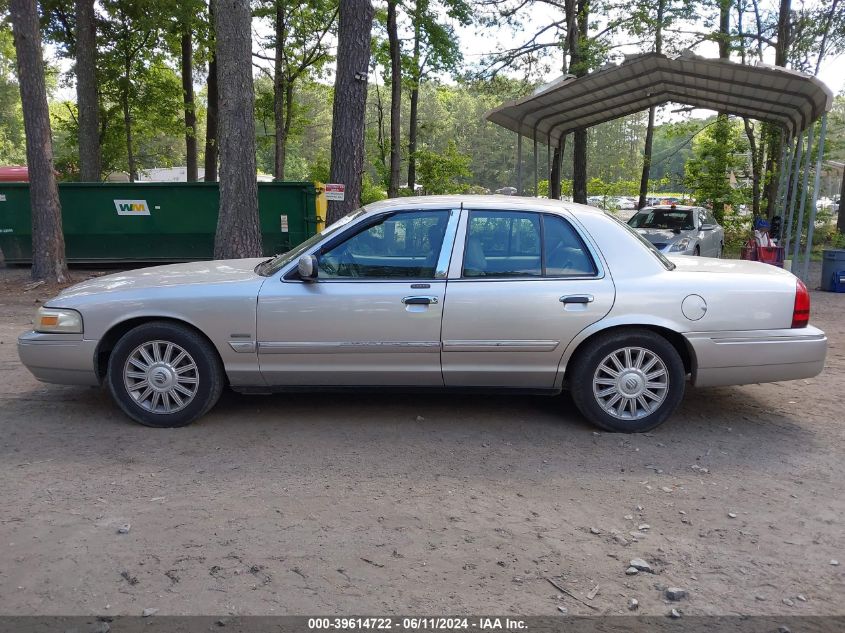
(518, 164)
(549, 163)
(816, 182)
(787, 174)
(785, 155)
(799, 153)
(536, 169)
(799, 228)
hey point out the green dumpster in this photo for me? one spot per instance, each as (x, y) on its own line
(152, 222)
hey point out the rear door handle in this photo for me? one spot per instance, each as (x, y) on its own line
(576, 299)
(419, 301)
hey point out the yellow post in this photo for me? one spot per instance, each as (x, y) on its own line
(322, 205)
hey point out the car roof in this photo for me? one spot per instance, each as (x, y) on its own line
(670, 207)
(504, 203)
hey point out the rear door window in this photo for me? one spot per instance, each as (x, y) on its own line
(523, 244)
(564, 252)
(503, 244)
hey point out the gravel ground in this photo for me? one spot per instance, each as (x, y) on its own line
(418, 503)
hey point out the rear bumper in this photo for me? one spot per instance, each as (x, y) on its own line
(745, 357)
(66, 359)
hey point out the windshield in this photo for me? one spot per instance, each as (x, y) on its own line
(275, 264)
(651, 249)
(672, 219)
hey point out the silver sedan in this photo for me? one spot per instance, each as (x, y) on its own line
(495, 293)
(680, 230)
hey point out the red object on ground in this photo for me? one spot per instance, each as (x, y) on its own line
(14, 174)
(767, 254)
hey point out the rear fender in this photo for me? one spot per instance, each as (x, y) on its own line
(627, 320)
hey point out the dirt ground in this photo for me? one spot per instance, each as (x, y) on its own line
(419, 504)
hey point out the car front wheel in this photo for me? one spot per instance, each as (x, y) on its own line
(164, 374)
(628, 380)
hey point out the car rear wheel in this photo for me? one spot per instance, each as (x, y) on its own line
(628, 380)
(164, 375)
(697, 251)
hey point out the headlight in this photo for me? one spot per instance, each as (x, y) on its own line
(680, 245)
(58, 321)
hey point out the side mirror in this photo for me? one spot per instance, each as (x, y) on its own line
(307, 268)
(708, 227)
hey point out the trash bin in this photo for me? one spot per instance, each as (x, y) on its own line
(152, 222)
(833, 261)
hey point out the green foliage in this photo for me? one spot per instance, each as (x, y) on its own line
(309, 141)
(305, 27)
(370, 191)
(738, 228)
(718, 153)
(12, 140)
(157, 127)
(443, 172)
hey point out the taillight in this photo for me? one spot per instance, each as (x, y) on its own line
(801, 309)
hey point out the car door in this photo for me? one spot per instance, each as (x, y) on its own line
(705, 238)
(717, 235)
(373, 315)
(524, 285)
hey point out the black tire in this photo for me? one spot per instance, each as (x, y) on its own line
(201, 370)
(585, 370)
(697, 251)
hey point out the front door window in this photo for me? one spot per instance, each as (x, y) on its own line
(398, 246)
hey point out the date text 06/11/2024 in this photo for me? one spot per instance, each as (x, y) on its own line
(417, 623)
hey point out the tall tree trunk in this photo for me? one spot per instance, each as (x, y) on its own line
(382, 148)
(190, 110)
(649, 132)
(554, 175)
(238, 230)
(649, 142)
(48, 244)
(579, 166)
(840, 221)
(350, 101)
(395, 98)
(579, 67)
(279, 92)
(756, 166)
(127, 120)
(87, 102)
(286, 123)
(211, 149)
(755, 149)
(721, 133)
(413, 116)
(775, 136)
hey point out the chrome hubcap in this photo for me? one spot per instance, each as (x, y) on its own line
(161, 377)
(631, 383)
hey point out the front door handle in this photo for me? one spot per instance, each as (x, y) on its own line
(576, 299)
(419, 301)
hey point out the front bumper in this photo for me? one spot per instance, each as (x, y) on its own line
(66, 359)
(746, 357)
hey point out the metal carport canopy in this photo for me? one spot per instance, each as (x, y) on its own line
(767, 93)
